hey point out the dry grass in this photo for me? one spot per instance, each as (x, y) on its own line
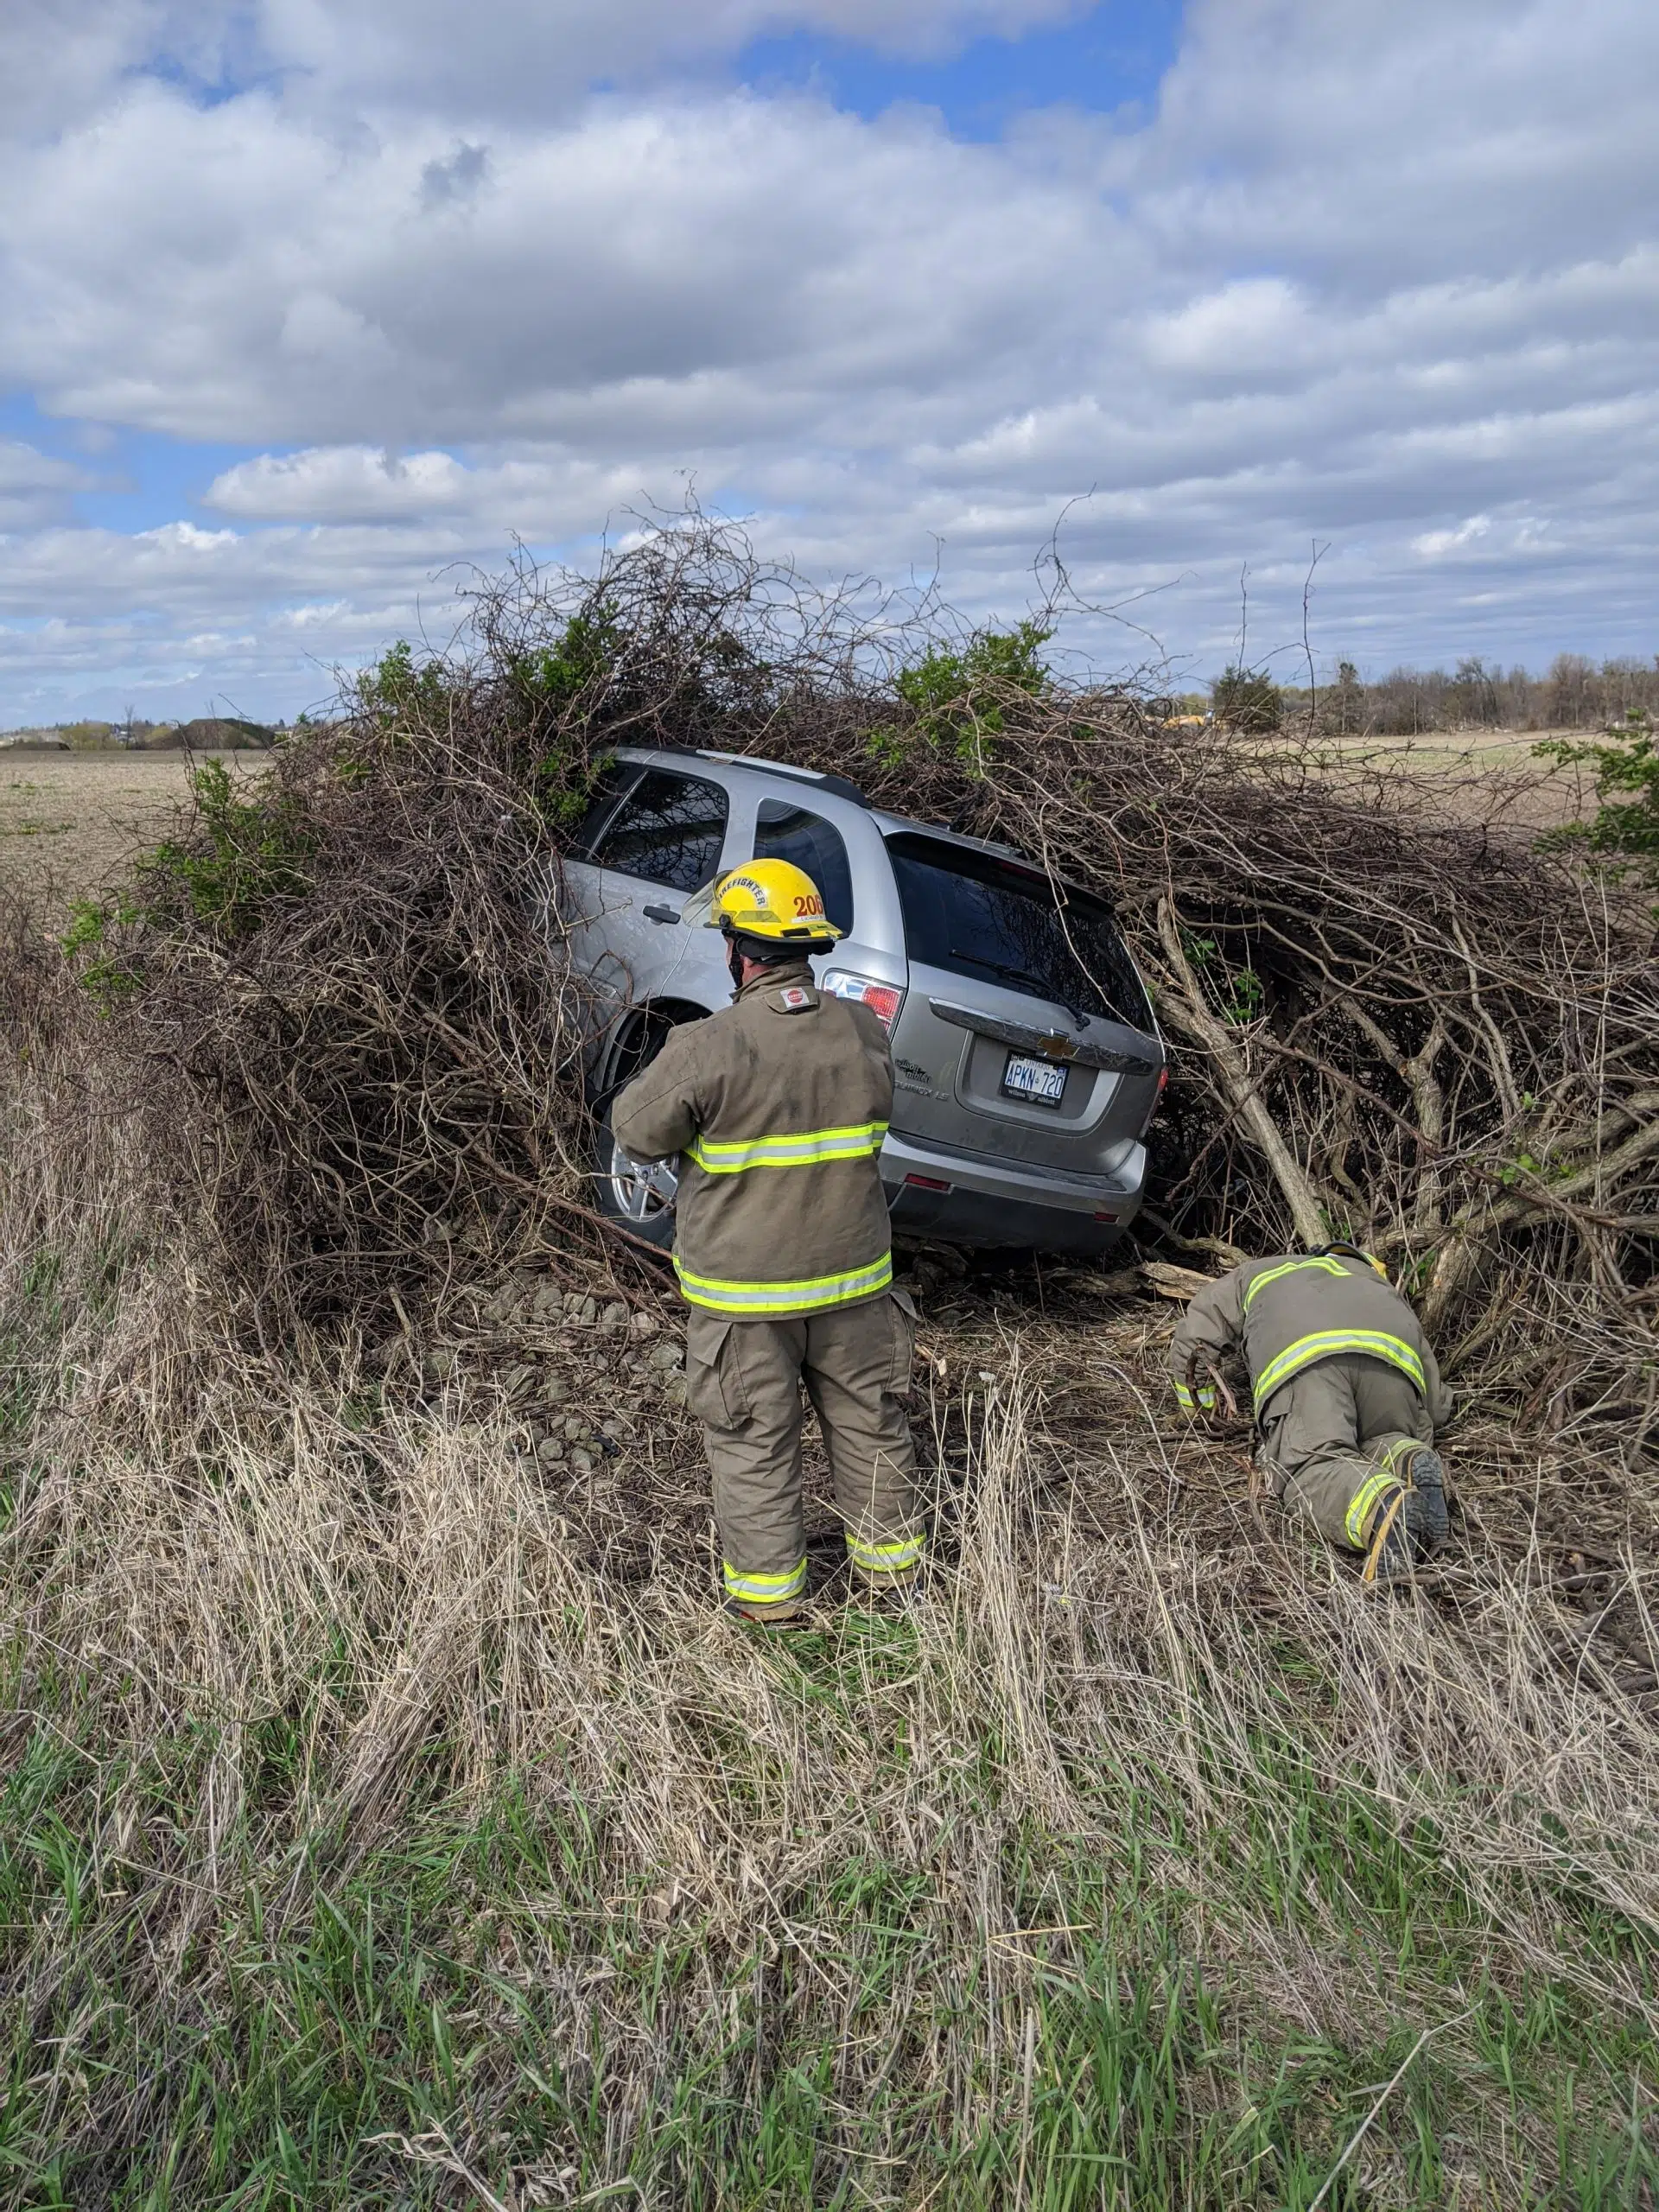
(1483, 775)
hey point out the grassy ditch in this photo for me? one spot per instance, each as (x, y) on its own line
(389, 1818)
(373, 1834)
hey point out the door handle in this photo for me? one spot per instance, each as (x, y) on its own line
(660, 914)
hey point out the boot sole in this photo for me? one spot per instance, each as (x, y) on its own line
(1426, 1515)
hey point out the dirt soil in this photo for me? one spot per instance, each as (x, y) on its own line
(70, 821)
(1460, 768)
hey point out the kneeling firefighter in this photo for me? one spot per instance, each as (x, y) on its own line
(1346, 1392)
(776, 1107)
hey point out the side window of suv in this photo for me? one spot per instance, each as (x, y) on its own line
(790, 833)
(608, 787)
(670, 830)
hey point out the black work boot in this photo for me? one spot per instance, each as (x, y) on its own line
(1410, 1522)
(1426, 1515)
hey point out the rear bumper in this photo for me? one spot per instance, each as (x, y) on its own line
(989, 1203)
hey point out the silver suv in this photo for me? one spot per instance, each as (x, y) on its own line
(1026, 1062)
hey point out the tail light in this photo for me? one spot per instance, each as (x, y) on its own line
(884, 999)
(1157, 1098)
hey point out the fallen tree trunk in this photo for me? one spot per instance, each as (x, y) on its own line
(1183, 1004)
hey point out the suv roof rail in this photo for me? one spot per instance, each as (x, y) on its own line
(841, 785)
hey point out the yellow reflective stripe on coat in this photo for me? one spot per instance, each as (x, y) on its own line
(1289, 1268)
(1204, 1401)
(896, 1558)
(755, 1300)
(810, 1149)
(765, 1589)
(1364, 1502)
(1329, 1343)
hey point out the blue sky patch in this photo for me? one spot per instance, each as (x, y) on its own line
(141, 479)
(1115, 56)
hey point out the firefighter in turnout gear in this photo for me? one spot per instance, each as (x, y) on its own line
(1347, 1392)
(776, 1108)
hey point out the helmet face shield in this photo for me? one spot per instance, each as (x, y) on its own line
(698, 911)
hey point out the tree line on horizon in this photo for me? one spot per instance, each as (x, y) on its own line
(1576, 693)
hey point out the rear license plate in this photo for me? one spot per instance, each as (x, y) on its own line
(1043, 1082)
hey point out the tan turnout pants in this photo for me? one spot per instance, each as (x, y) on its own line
(1333, 1436)
(743, 1382)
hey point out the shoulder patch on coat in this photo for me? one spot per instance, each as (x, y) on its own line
(794, 998)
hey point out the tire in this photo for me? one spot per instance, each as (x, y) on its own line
(639, 1199)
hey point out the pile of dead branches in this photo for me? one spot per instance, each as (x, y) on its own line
(345, 1028)
(1393, 1020)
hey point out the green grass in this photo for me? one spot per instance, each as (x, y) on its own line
(475, 1985)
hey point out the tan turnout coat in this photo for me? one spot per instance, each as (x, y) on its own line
(1290, 1312)
(776, 1107)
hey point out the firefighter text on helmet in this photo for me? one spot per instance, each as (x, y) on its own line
(774, 901)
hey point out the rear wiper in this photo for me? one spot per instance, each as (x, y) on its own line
(1032, 982)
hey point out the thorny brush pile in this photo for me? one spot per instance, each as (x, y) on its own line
(347, 1485)
(1414, 1030)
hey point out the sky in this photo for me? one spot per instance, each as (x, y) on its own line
(310, 309)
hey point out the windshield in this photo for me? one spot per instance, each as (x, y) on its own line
(1004, 922)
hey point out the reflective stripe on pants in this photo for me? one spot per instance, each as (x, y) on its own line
(743, 1382)
(765, 1589)
(1371, 1492)
(885, 1558)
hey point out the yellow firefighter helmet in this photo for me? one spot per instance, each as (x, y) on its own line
(774, 901)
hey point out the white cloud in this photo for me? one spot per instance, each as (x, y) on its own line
(1434, 542)
(1386, 273)
(1259, 323)
(339, 484)
(634, 258)
(187, 538)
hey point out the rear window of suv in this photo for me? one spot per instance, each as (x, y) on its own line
(999, 922)
(790, 833)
